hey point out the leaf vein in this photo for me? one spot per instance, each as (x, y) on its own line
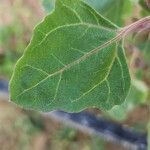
(55, 57)
(109, 91)
(57, 88)
(77, 15)
(78, 50)
(35, 68)
(84, 57)
(123, 78)
(91, 13)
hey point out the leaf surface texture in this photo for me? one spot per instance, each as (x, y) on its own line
(71, 63)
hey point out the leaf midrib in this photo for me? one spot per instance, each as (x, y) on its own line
(92, 52)
(84, 57)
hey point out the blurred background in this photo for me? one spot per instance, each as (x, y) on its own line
(29, 130)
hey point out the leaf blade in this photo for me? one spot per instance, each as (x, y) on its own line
(65, 62)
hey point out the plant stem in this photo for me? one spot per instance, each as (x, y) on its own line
(137, 26)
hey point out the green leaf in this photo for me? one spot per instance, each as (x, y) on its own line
(114, 10)
(137, 95)
(72, 63)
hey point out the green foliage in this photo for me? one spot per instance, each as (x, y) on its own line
(73, 62)
(114, 10)
(137, 95)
